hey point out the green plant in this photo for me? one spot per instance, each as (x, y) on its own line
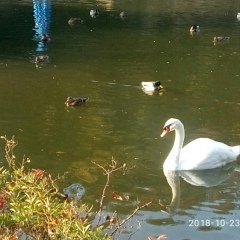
(31, 204)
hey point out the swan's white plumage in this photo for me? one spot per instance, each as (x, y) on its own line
(201, 153)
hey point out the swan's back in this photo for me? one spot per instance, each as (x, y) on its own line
(205, 153)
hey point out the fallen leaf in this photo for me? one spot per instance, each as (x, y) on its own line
(38, 172)
(111, 220)
(163, 236)
(53, 222)
(126, 197)
(116, 196)
(84, 219)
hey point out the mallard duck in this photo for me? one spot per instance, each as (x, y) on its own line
(73, 101)
(194, 28)
(220, 39)
(75, 21)
(152, 86)
(94, 13)
(45, 38)
(41, 59)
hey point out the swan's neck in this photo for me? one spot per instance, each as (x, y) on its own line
(178, 142)
(173, 157)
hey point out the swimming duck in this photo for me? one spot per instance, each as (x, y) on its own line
(220, 39)
(94, 13)
(201, 153)
(194, 28)
(45, 38)
(122, 14)
(152, 86)
(73, 101)
(75, 21)
(238, 16)
(42, 58)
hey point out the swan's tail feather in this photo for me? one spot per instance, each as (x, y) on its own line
(236, 150)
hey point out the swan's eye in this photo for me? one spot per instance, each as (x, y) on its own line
(167, 128)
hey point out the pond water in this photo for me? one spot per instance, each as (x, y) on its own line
(106, 58)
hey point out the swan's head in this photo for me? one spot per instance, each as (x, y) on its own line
(171, 125)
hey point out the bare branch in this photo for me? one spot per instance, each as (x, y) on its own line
(112, 168)
(126, 219)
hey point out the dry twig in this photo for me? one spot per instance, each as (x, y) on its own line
(130, 216)
(112, 168)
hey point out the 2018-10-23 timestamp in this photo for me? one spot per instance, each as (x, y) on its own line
(214, 223)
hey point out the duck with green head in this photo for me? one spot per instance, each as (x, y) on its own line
(152, 86)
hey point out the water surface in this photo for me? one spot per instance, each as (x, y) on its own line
(105, 59)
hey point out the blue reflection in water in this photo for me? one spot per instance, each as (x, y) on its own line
(42, 15)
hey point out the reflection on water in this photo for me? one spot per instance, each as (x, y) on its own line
(107, 4)
(204, 202)
(42, 18)
(199, 178)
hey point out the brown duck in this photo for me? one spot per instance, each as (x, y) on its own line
(217, 40)
(75, 21)
(74, 101)
(41, 59)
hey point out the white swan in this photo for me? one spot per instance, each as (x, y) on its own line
(201, 153)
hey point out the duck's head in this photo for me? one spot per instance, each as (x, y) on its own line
(69, 99)
(158, 85)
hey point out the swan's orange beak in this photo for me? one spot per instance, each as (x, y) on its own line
(165, 131)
